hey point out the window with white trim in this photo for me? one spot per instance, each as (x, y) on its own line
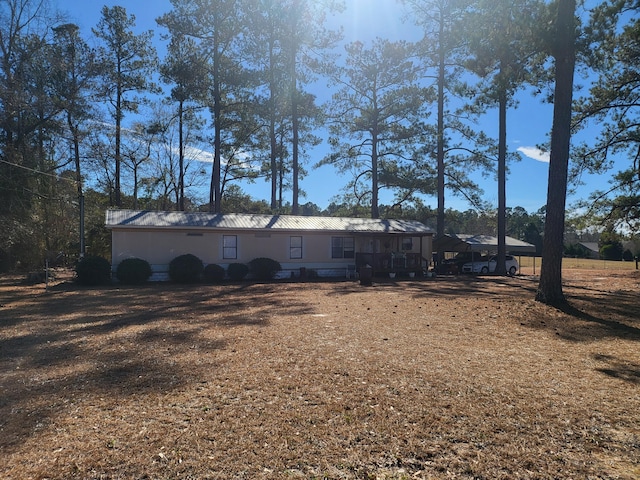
(295, 247)
(343, 247)
(230, 247)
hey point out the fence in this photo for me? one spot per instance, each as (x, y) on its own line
(532, 265)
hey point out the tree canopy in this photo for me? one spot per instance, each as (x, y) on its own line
(251, 91)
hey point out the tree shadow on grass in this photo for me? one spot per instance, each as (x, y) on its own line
(592, 322)
(116, 342)
(444, 286)
(589, 315)
(618, 368)
(29, 404)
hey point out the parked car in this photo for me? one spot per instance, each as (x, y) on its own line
(489, 265)
(453, 266)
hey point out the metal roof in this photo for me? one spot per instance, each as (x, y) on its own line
(463, 243)
(234, 221)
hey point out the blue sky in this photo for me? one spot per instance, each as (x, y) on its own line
(528, 124)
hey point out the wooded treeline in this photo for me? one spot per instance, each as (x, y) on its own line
(98, 119)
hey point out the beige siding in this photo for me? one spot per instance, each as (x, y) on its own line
(315, 248)
(159, 247)
(427, 247)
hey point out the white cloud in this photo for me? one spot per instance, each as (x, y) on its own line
(535, 154)
(198, 154)
(206, 156)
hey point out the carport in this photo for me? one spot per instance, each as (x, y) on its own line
(479, 243)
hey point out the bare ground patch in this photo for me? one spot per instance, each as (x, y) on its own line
(444, 378)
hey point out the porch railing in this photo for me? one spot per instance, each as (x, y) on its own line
(391, 262)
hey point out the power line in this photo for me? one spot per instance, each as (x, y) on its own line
(52, 175)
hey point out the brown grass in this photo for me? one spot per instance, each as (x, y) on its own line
(463, 377)
(528, 264)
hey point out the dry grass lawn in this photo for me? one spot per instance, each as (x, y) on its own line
(464, 377)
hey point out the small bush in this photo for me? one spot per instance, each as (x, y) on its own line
(93, 270)
(133, 271)
(264, 268)
(611, 251)
(213, 273)
(237, 271)
(186, 269)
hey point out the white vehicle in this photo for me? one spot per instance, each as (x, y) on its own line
(485, 265)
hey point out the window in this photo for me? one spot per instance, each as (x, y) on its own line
(342, 247)
(230, 247)
(407, 243)
(295, 247)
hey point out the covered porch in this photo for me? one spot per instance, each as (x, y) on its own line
(400, 253)
(393, 262)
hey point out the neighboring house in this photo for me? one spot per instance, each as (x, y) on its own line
(591, 249)
(633, 246)
(331, 246)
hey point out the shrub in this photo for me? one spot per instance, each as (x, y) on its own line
(312, 274)
(264, 268)
(186, 268)
(237, 271)
(93, 270)
(611, 251)
(133, 271)
(213, 273)
(627, 256)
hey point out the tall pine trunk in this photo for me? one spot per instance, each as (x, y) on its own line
(294, 127)
(75, 136)
(118, 155)
(181, 156)
(215, 192)
(550, 286)
(273, 150)
(375, 186)
(502, 181)
(440, 140)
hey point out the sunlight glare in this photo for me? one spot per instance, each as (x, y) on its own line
(368, 19)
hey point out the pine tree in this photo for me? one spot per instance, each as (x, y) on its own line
(376, 117)
(564, 54)
(504, 50)
(127, 63)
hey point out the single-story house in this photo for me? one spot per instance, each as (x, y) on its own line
(591, 249)
(330, 246)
